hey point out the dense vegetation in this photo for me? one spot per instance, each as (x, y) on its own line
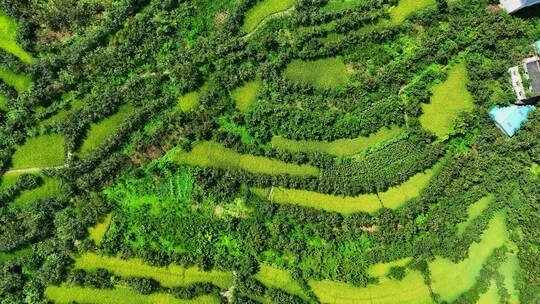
(261, 151)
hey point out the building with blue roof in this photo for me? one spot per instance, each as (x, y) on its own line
(509, 119)
(512, 6)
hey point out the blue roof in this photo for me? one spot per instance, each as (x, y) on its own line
(509, 119)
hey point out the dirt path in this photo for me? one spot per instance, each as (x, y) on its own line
(266, 20)
(31, 170)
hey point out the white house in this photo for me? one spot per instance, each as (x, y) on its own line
(515, 5)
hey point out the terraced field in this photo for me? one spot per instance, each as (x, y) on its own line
(473, 211)
(97, 232)
(49, 189)
(19, 82)
(8, 32)
(263, 9)
(491, 295)
(246, 94)
(323, 73)
(212, 154)
(43, 151)
(281, 279)
(189, 101)
(407, 7)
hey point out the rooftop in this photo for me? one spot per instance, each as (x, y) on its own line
(509, 119)
(515, 5)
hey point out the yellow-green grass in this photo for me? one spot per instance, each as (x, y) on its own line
(101, 130)
(407, 7)
(410, 290)
(491, 296)
(450, 280)
(450, 98)
(118, 295)
(6, 256)
(394, 198)
(263, 9)
(19, 82)
(49, 189)
(189, 101)
(340, 147)
(97, 232)
(42, 151)
(170, 276)
(274, 277)
(382, 269)
(473, 212)
(245, 95)
(508, 270)
(535, 169)
(212, 154)
(340, 5)
(8, 34)
(3, 101)
(325, 73)
(8, 179)
(74, 104)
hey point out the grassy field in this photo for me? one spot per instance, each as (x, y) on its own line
(19, 82)
(407, 7)
(274, 277)
(491, 296)
(6, 256)
(3, 101)
(74, 104)
(394, 198)
(473, 211)
(99, 131)
(42, 151)
(340, 5)
(340, 147)
(212, 154)
(8, 33)
(449, 99)
(118, 295)
(49, 189)
(410, 290)
(508, 270)
(382, 269)
(263, 9)
(245, 95)
(326, 72)
(97, 232)
(189, 101)
(450, 279)
(170, 276)
(535, 169)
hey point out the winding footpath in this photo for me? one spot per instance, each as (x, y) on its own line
(32, 170)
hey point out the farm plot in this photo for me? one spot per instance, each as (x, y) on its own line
(262, 10)
(212, 154)
(473, 212)
(340, 147)
(171, 276)
(410, 290)
(394, 198)
(341, 5)
(118, 295)
(189, 101)
(43, 151)
(450, 280)
(99, 131)
(274, 277)
(382, 269)
(19, 82)
(323, 73)
(49, 189)
(491, 296)
(97, 232)
(508, 270)
(245, 95)
(6, 256)
(450, 98)
(405, 8)
(8, 33)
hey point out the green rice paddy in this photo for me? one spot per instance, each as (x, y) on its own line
(340, 147)
(324, 73)
(394, 198)
(3, 101)
(450, 280)
(171, 276)
(49, 189)
(263, 9)
(189, 101)
(491, 296)
(42, 151)
(473, 211)
(8, 33)
(101, 130)
(245, 95)
(97, 232)
(6, 256)
(382, 269)
(212, 154)
(74, 104)
(508, 270)
(535, 169)
(410, 290)
(274, 277)
(19, 82)
(405, 8)
(450, 98)
(341, 5)
(118, 295)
